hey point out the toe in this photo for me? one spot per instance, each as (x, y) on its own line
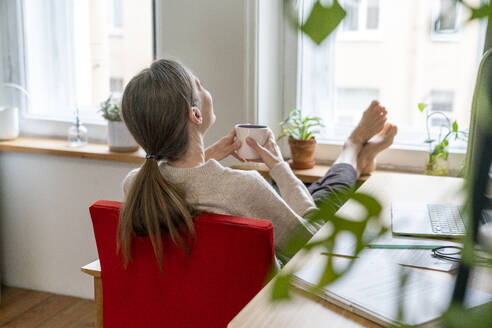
(386, 127)
(373, 106)
(394, 129)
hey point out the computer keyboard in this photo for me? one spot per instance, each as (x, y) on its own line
(446, 218)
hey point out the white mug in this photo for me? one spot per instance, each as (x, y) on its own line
(254, 131)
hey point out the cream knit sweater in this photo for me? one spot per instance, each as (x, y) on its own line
(214, 188)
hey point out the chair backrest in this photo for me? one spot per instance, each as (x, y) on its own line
(228, 264)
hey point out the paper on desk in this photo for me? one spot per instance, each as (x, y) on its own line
(372, 289)
(345, 243)
(420, 258)
(389, 239)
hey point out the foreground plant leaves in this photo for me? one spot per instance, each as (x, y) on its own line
(340, 225)
(322, 21)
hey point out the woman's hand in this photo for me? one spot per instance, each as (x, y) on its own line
(270, 152)
(226, 146)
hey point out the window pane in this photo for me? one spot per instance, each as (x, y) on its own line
(404, 67)
(76, 58)
(372, 14)
(117, 14)
(351, 20)
(50, 61)
(448, 15)
(441, 101)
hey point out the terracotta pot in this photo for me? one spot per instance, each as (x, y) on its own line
(302, 153)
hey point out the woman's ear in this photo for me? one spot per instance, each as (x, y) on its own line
(195, 115)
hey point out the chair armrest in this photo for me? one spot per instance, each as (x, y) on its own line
(92, 269)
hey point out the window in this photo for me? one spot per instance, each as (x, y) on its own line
(362, 18)
(445, 21)
(117, 14)
(447, 18)
(351, 21)
(70, 56)
(116, 86)
(338, 79)
(441, 102)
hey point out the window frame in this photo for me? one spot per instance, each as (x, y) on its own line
(397, 157)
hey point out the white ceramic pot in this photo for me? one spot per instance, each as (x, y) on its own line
(9, 123)
(119, 138)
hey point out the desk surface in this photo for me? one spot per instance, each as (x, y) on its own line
(308, 311)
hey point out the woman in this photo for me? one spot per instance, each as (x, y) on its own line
(168, 112)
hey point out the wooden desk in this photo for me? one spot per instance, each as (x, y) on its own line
(308, 311)
(94, 269)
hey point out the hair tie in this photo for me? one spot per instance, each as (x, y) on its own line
(156, 157)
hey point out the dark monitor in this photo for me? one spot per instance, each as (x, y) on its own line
(478, 164)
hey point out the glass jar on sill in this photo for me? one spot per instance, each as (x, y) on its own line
(77, 134)
(436, 166)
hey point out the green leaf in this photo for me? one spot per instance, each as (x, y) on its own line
(429, 141)
(281, 287)
(483, 11)
(455, 126)
(458, 316)
(322, 21)
(299, 127)
(421, 106)
(445, 142)
(372, 205)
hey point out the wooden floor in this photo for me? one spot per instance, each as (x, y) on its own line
(24, 308)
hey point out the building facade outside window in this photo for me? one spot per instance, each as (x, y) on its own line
(402, 68)
(349, 101)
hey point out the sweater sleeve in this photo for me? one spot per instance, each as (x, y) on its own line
(260, 200)
(128, 181)
(293, 190)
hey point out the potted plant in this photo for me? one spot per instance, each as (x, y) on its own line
(301, 131)
(119, 138)
(437, 159)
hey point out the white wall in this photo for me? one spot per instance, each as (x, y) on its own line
(45, 228)
(216, 40)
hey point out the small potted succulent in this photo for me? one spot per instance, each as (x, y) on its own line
(301, 131)
(119, 138)
(437, 159)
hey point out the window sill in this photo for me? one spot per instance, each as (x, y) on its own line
(99, 151)
(397, 158)
(58, 147)
(309, 175)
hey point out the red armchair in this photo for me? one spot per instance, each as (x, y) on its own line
(228, 264)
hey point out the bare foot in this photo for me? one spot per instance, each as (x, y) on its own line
(375, 145)
(372, 122)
